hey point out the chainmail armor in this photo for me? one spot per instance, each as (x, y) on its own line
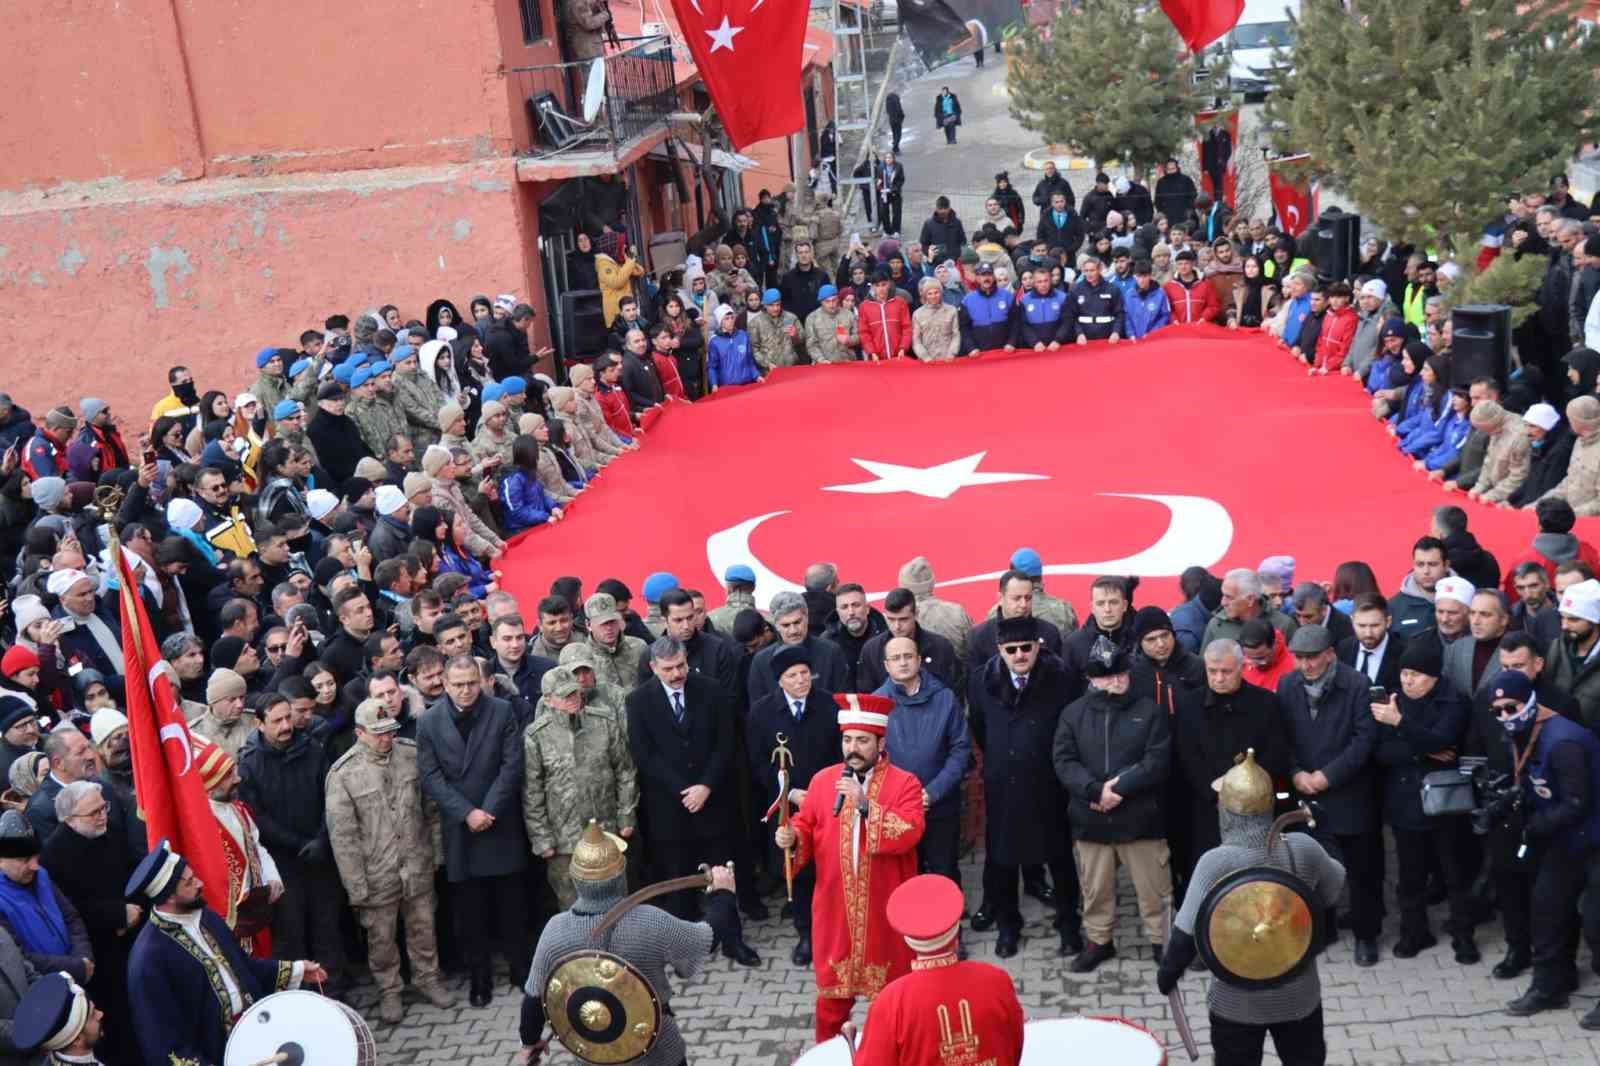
(647, 936)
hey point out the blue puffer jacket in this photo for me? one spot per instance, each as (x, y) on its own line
(1381, 374)
(524, 501)
(1146, 312)
(453, 562)
(728, 360)
(1424, 436)
(1456, 428)
(1416, 412)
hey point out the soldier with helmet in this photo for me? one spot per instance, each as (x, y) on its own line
(382, 836)
(636, 1005)
(1267, 980)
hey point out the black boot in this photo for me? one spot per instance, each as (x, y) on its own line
(1071, 940)
(1534, 1000)
(482, 990)
(1515, 962)
(1466, 949)
(1040, 890)
(1093, 956)
(1008, 943)
(983, 921)
(801, 955)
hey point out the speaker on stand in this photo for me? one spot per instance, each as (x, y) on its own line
(1338, 244)
(1480, 345)
(584, 325)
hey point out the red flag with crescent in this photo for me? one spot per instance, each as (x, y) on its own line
(1294, 193)
(749, 53)
(165, 777)
(1199, 22)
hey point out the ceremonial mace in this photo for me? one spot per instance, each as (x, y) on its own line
(784, 761)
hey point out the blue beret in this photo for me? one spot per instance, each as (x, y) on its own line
(405, 351)
(827, 292)
(264, 355)
(345, 371)
(739, 571)
(658, 585)
(382, 366)
(362, 375)
(300, 367)
(285, 409)
(772, 296)
(514, 386)
(493, 391)
(1027, 560)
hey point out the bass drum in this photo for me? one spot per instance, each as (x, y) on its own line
(327, 1032)
(1094, 1041)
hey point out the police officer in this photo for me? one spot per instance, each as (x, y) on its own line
(1044, 317)
(1555, 775)
(985, 314)
(383, 843)
(1098, 306)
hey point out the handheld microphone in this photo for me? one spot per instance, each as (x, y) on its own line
(838, 799)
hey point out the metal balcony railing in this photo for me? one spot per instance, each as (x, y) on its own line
(640, 92)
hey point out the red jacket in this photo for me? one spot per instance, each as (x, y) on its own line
(1508, 585)
(667, 371)
(1195, 302)
(614, 405)
(1280, 666)
(885, 329)
(1333, 343)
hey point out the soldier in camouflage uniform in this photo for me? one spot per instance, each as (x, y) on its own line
(775, 339)
(1058, 613)
(741, 582)
(493, 442)
(823, 326)
(616, 655)
(362, 410)
(827, 232)
(291, 429)
(579, 658)
(386, 405)
(419, 399)
(382, 840)
(271, 384)
(796, 223)
(949, 620)
(576, 769)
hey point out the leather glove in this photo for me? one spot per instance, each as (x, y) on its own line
(1181, 950)
(722, 915)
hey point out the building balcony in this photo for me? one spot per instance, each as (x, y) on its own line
(637, 97)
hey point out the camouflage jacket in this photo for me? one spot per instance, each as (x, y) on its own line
(371, 422)
(722, 617)
(419, 400)
(949, 620)
(576, 767)
(380, 826)
(487, 444)
(769, 344)
(299, 439)
(619, 666)
(1581, 486)
(822, 335)
(269, 389)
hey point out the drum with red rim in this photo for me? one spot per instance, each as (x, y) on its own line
(1091, 1040)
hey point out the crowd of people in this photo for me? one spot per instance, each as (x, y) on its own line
(402, 758)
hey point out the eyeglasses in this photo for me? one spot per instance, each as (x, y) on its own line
(1016, 649)
(276, 649)
(96, 812)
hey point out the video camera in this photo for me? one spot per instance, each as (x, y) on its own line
(1498, 796)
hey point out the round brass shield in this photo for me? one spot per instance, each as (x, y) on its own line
(601, 1007)
(1258, 927)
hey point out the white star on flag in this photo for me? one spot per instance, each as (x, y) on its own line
(723, 35)
(938, 482)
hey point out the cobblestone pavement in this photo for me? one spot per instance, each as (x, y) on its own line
(1422, 1010)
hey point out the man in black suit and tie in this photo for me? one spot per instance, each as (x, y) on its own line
(808, 718)
(680, 732)
(1374, 651)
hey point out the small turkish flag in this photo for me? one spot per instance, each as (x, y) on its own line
(749, 52)
(1199, 22)
(1294, 199)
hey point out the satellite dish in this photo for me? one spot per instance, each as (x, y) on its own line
(594, 94)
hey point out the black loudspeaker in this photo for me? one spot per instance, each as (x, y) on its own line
(555, 129)
(1480, 345)
(1338, 244)
(583, 320)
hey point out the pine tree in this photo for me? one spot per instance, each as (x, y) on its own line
(1425, 114)
(1111, 81)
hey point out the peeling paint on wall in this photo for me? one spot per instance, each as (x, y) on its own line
(157, 263)
(71, 261)
(462, 229)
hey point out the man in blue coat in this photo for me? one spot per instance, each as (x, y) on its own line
(188, 979)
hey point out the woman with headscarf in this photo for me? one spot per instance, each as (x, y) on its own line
(471, 365)
(1010, 200)
(447, 532)
(436, 362)
(1253, 299)
(1583, 369)
(441, 313)
(581, 273)
(1426, 395)
(24, 776)
(523, 500)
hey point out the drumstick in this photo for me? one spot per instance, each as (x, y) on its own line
(290, 1054)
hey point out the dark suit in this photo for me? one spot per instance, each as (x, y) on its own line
(813, 741)
(1340, 741)
(672, 757)
(827, 666)
(939, 658)
(981, 646)
(480, 771)
(1388, 667)
(711, 655)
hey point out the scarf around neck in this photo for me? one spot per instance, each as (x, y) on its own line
(34, 915)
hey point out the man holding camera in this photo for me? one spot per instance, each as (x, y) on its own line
(1543, 825)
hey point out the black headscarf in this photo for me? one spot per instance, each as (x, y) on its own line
(1586, 361)
(431, 320)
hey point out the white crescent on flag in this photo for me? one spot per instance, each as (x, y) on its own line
(172, 730)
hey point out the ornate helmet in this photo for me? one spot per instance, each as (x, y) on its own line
(1245, 789)
(598, 856)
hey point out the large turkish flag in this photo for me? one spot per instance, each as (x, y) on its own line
(749, 53)
(1199, 22)
(1199, 446)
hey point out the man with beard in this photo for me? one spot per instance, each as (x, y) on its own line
(985, 314)
(188, 979)
(1163, 669)
(1242, 1017)
(1016, 703)
(856, 623)
(90, 865)
(250, 866)
(1571, 662)
(108, 729)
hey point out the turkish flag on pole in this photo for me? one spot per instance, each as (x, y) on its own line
(173, 800)
(1294, 199)
(1199, 22)
(749, 53)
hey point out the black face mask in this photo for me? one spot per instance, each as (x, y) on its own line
(186, 392)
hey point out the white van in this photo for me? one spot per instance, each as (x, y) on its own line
(1262, 30)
